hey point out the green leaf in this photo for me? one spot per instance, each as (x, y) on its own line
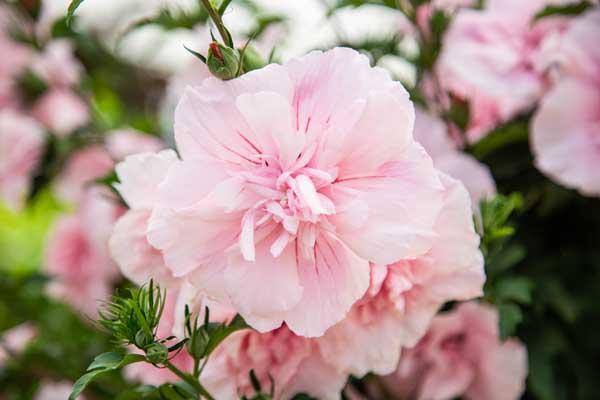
(71, 10)
(568, 9)
(516, 289)
(510, 317)
(223, 6)
(219, 332)
(103, 363)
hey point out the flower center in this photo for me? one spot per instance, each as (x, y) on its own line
(291, 199)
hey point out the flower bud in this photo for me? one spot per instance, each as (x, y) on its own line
(198, 344)
(223, 62)
(157, 353)
(141, 339)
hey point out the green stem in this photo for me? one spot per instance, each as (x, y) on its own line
(216, 17)
(190, 380)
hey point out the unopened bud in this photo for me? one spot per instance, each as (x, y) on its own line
(223, 62)
(157, 353)
(198, 344)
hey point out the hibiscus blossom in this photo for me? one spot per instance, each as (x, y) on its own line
(292, 179)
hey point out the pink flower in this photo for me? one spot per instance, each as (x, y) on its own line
(294, 363)
(140, 176)
(462, 356)
(21, 146)
(15, 57)
(294, 178)
(124, 142)
(61, 111)
(55, 391)
(57, 64)
(15, 340)
(435, 138)
(403, 297)
(77, 256)
(565, 134)
(82, 168)
(489, 59)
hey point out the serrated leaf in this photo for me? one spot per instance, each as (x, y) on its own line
(71, 10)
(103, 363)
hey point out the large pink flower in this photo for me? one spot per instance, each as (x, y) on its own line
(489, 58)
(433, 134)
(462, 356)
(565, 135)
(21, 146)
(293, 178)
(403, 297)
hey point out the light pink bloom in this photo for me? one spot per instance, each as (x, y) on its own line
(15, 340)
(77, 256)
(403, 297)
(55, 391)
(294, 363)
(140, 176)
(82, 168)
(57, 65)
(61, 111)
(489, 59)
(124, 142)
(15, 57)
(565, 135)
(21, 146)
(462, 356)
(294, 178)
(433, 134)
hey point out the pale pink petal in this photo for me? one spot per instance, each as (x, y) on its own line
(403, 202)
(141, 174)
(136, 258)
(333, 279)
(264, 305)
(564, 135)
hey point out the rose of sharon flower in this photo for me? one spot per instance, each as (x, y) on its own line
(57, 65)
(403, 297)
(292, 179)
(461, 356)
(82, 168)
(124, 142)
(433, 134)
(15, 340)
(21, 146)
(15, 56)
(565, 135)
(500, 45)
(76, 255)
(61, 111)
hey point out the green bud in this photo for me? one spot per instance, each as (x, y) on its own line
(252, 59)
(141, 339)
(198, 343)
(223, 62)
(157, 353)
